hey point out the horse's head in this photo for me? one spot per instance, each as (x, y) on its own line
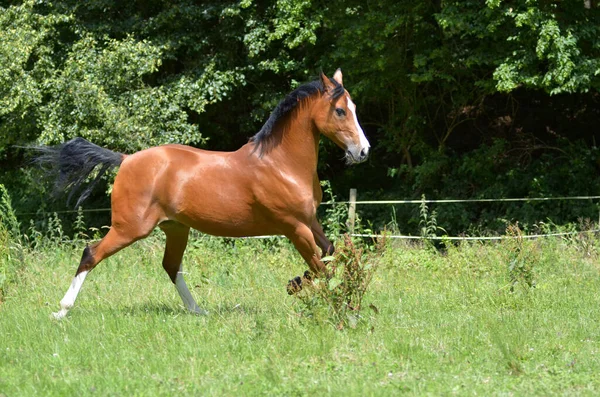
(335, 117)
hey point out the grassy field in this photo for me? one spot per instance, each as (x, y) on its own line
(447, 323)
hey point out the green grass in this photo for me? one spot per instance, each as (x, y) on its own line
(448, 323)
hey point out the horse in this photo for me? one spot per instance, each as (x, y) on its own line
(267, 187)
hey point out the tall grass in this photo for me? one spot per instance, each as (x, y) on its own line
(11, 248)
(446, 322)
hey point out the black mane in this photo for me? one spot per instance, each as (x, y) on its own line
(262, 139)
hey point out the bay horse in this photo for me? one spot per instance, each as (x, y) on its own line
(267, 187)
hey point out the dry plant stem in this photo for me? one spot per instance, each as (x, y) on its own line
(350, 274)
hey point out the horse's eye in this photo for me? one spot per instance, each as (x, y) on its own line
(340, 112)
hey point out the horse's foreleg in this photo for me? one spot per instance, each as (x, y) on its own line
(177, 238)
(304, 241)
(92, 255)
(322, 241)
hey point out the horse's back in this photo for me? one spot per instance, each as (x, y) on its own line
(207, 190)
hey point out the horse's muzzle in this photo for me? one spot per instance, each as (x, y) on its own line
(364, 154)
(356, 158)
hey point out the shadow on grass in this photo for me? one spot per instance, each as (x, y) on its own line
(154, 308)
(226, 310)
(158, 309)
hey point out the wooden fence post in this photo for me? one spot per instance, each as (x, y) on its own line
(351, 211)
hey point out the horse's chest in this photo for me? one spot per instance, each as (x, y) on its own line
(286, 192)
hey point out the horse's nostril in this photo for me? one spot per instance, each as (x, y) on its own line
(364, 153)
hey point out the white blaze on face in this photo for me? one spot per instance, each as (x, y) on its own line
(364, 143)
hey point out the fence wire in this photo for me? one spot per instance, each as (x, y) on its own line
(403, 237)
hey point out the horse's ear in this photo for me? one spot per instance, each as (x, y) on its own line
(337, 76)
(327, 84)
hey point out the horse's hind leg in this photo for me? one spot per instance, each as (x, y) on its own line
(177, 238)
(92, 255)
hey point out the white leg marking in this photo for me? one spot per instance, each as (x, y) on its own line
(69, 299)
(186, 296)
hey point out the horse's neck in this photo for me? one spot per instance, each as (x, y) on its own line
(298, 143)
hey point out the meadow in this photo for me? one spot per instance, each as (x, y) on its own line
(461, 319)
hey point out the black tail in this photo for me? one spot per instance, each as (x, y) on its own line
(74, 161)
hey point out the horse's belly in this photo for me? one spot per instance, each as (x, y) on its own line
(230, 223)
(224, 211)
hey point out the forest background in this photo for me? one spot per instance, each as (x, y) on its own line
(460, 99)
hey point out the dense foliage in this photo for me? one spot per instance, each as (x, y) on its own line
(459, 98)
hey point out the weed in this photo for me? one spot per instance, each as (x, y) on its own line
(79, 226)
(336, 214)
(392, 226)
(34, 237)
(520, 256)
(8, 218)
(341, 294)
(11, 247)
(55, 229)
(586, 240)
(428, 220)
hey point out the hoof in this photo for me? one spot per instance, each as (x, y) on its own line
(294, 285)
(307, 275)
(59, 315)
(199, 312)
